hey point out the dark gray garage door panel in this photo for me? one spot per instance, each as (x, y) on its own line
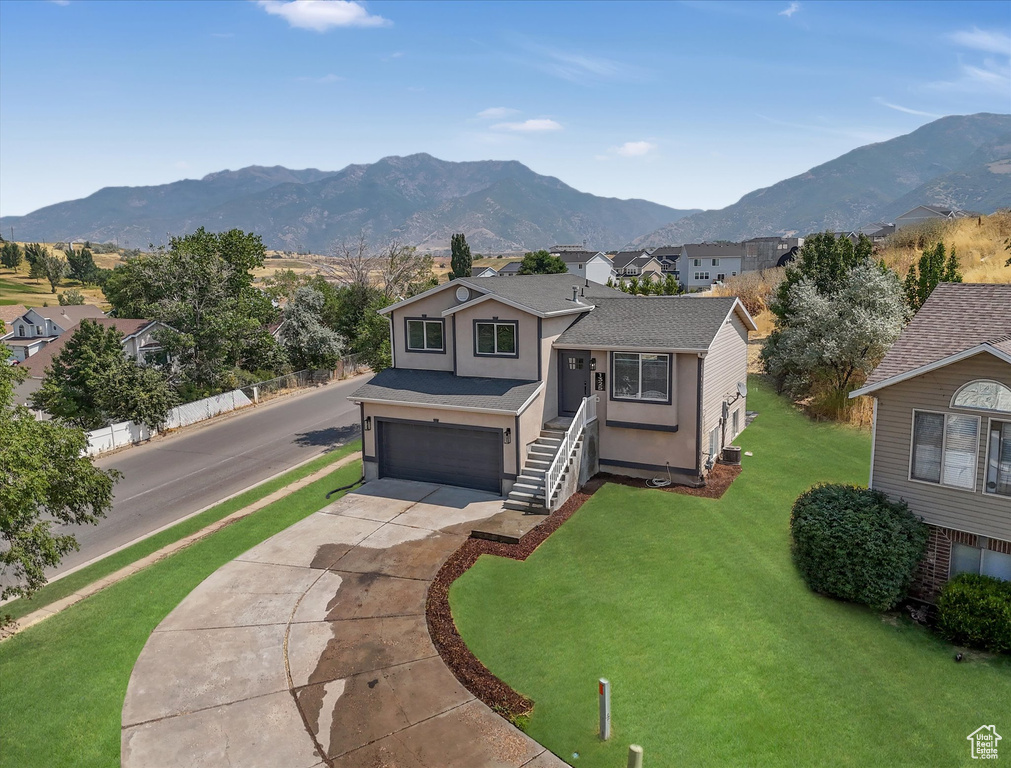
(436, 453)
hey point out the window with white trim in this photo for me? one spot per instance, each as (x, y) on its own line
(998, 459)
(701, 275)
(696, 262)
(983, 395)
(980, 560)
(945, 449)
(721, 276)
(637, 376)
(494, 338)
(425, 336)
(716, 262)
(736, 422)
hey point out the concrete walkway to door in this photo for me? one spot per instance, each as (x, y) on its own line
(312, 649)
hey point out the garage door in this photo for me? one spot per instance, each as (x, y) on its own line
(440, 453)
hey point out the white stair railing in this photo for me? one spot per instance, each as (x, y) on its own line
(586, 413)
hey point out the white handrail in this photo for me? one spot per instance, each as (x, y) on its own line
(586, 413)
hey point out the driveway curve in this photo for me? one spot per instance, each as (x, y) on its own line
(312, 649)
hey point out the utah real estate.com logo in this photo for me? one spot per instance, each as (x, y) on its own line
(983, 742)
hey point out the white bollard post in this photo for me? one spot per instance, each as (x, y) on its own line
(634, 756)
(604, 694)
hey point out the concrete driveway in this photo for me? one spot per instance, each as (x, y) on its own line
(312, 649)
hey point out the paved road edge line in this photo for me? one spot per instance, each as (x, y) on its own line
(33, 618)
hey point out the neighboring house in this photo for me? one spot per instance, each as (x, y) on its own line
(769, 252)
(922, 213)
(668, 256)
(703, 264)
(510, 269)
(589, 265)
(8, 314)
(942, 429)
(139, 344)
(38, 326)
(487, 272)
(489, 373)
(636, 264)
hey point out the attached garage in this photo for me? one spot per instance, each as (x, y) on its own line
(450, 454)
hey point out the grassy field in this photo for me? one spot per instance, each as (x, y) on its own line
(57, 590)
(717, 652)
(18, 288)
(64, 679)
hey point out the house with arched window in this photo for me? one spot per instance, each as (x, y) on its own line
(942, 430)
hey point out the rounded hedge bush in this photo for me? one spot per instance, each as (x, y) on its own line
(976, 611)
(855, 544)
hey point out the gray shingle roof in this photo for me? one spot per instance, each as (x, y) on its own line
(543, 293)
(668, 252)
(406, 385)
(714, 250)
(510, 268)
(650, 322)
(622, 259)
(956, 317)
(572, 257)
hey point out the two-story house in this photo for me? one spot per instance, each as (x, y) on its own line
(640, 264)
(702, 264)
(38, 326)
(594, 266)
(668, 256)
(942, 429)
(493, 379)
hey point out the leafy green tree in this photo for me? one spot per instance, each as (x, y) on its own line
(825, 261)
(310, 343)
(933, 268)
(834, 339)
(542, 263)
(671, 286)
(71, 297)
(82, 265)
(460, 261)
(47, 481)
(91, 383)
(11, 255)
(35, 254)
(202, 288)
(54, 269)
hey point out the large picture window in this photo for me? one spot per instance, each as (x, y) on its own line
(945, 449)
(640, 377)
(985, 562)
(998, 462)
(495, 338)
(425, 336)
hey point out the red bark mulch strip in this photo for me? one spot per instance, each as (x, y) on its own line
(717, 482)
(471, 673)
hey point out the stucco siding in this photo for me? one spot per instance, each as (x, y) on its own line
(522, 366)
(726, 365)
(430, 308)
(963, 510)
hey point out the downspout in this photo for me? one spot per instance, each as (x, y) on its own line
(393, 344)
(698, 421)
(454, 342)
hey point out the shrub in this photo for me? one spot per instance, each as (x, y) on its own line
(976, 611)
(855, 544)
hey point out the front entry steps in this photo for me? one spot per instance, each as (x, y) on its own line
(527, 494)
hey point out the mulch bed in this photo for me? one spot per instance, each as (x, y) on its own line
(717, 482)
(471, 673)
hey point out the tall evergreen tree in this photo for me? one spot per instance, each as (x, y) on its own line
(933, 268)
(461, 263)
(11, 256)
(82, 265)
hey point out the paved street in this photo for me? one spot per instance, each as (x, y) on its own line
(167, 479)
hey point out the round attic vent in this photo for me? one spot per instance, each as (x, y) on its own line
(462, 294)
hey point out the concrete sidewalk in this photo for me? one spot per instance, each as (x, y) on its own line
(312, 649)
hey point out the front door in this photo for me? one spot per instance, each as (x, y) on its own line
(574, 380)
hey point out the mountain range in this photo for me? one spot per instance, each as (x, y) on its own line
(503, 206)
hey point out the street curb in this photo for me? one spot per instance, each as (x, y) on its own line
(52, 609)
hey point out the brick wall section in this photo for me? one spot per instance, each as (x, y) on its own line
(932, 572)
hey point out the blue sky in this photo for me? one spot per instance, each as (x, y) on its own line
(690, 104)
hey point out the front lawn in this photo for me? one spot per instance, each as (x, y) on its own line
(717, 652)
(62, 681)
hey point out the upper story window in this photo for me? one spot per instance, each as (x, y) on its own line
(638, 376)
(38, 330)
(425, 335)
(998, 459)
(21, 330)
(716, 262)
(983, 395)
(494, 338)
(945, 448)
(696, 262)
(579, 266)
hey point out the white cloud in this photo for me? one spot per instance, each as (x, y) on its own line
(791, 9)
(978, 39)
(992, 77)
(635, 148)
(529, 126)
(497, 113)
(321, 15)
(907, 110)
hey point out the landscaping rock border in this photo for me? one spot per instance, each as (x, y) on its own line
(468, 669)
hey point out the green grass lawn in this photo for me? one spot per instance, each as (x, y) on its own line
(717, 652)
(62, 682)
(57, 590)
